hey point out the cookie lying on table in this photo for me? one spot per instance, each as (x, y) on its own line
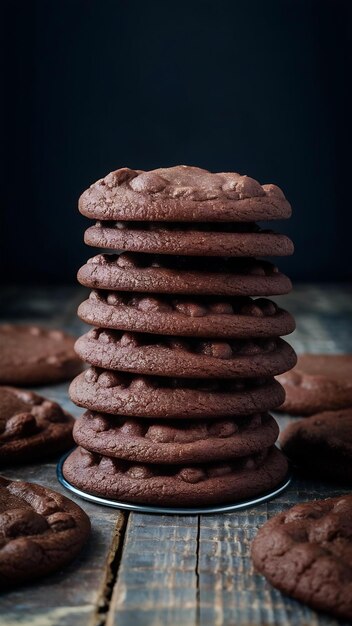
(33, 355)
(306, 552)
(40, 531)
(31, 427)
(319, 382)
(321, 445)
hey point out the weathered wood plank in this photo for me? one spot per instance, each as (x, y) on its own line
(157, 580)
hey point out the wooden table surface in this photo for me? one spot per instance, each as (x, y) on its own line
(144, 570)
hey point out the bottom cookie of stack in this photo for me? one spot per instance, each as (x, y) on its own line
(175, 463)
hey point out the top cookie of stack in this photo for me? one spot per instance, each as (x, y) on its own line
(182, 194)
(185, 268)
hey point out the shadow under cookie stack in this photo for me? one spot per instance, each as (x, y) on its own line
(182, 358)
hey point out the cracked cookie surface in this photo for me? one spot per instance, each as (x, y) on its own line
(306, 552)
(182, 193)
(40, 531)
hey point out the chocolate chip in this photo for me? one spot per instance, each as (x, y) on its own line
(148, 182)
(192, 475)
(150, 304)
(191, 309)
(216, 349)
(140, 472)
(60, 521)
(221, 308)
(114, 299)
(110, 379)
(21, 425)
(127, 260)
(19, 522)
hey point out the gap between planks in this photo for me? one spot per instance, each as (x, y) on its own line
(197, 573)
(112, 570)
(116, 611)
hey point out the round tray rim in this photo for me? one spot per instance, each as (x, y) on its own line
(141, 508)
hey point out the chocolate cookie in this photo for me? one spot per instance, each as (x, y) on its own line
(176, 356)
(182, 193)
(32, 355)
(185, 275)
(31, 427)
(40, 531)
(186, 316)
(306, 552)
(162, 238)
(150, 396)
(319, 382)
(321, 445)
(175, 441)
(170, 485)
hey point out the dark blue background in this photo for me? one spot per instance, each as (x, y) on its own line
(258, 87)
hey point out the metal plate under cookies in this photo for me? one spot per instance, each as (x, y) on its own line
(140, 508)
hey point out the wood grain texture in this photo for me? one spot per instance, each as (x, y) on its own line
(151, 570)
(157, 581)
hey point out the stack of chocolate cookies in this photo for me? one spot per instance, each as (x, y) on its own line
(182, 359)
